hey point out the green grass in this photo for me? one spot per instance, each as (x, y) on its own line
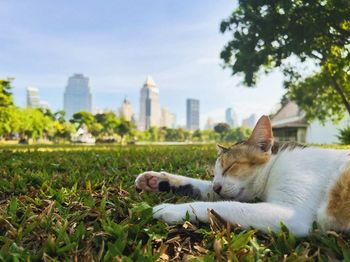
(79, 203)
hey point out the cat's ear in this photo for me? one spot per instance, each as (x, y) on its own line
(262, 136)
(221, 149)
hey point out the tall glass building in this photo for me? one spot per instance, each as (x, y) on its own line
(149, 105)
(192, 114)
(33, 99)
(231, 117)
(77, 96)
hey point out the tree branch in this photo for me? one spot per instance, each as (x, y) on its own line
(340, 91)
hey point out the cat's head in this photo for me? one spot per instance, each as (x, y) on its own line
(238, 165)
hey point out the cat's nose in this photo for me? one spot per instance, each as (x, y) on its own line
(217, 188)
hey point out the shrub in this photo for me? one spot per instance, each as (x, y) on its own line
(344, 136)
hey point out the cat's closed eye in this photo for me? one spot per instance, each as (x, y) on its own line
(228, 168)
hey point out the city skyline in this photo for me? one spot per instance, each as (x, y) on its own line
(78, 85)
(149, 102)
(116, 44)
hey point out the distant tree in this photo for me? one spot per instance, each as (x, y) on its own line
(125, 128)
(221, 129)
(63, 131)
(47, 112)
(81, 118)
(210, 135)
(152, 134)
(162, 132)
(185, 134)
(34, 124)
(108, 122)
(273, 34)
(96, 129)
(176, 134)
(6, 99)
(14, 120)
(173, 135)
(60, 116)
(6, 106)
(237, 134)
(197, 135)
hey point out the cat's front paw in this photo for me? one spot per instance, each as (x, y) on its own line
(150, 180)
(175, 213)
(169, 213)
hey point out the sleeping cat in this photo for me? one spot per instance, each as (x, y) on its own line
(297, 185)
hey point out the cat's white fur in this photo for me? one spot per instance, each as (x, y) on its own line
(294, 186)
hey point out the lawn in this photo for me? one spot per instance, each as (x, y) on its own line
(79, 203)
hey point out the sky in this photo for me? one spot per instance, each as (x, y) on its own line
(118, 43)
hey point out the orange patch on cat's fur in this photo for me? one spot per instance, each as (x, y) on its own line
(244, 156)
(339, 200)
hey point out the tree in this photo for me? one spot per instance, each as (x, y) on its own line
(176, 134)
(237, 134)
(317, 97)
(271, 34)
(152, 134)
(221, 129)
(162, 132)
(173, 134)
(197, 135)
(60, 116)
(63, 130)
(210, 135)
(124, 128)
(6, 106)
(6, 99)
(83, 118)
(47, 112)
(108, 122)
(33, 123)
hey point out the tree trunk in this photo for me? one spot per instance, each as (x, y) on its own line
(340, 91)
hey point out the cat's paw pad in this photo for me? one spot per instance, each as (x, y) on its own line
(150, 180)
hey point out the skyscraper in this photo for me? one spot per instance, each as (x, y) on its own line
(210, 123)
(33, 99)
(250, 121)
(168, 119)
(125, 110)
(231, 117)
(149, 105)
(192, 114)
(77, 96)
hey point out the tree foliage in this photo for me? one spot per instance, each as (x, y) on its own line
(81, 118)
(124, 128)
(6, 99)
(344, 136)
(221, 128)
(270, 34)
(6, 106)
(108, 122)
(38, 124)
(226, 133)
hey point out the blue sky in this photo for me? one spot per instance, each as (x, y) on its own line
(118, 43)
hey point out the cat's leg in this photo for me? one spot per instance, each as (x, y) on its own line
(181, 185)
(262, 216)
(336, 219)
